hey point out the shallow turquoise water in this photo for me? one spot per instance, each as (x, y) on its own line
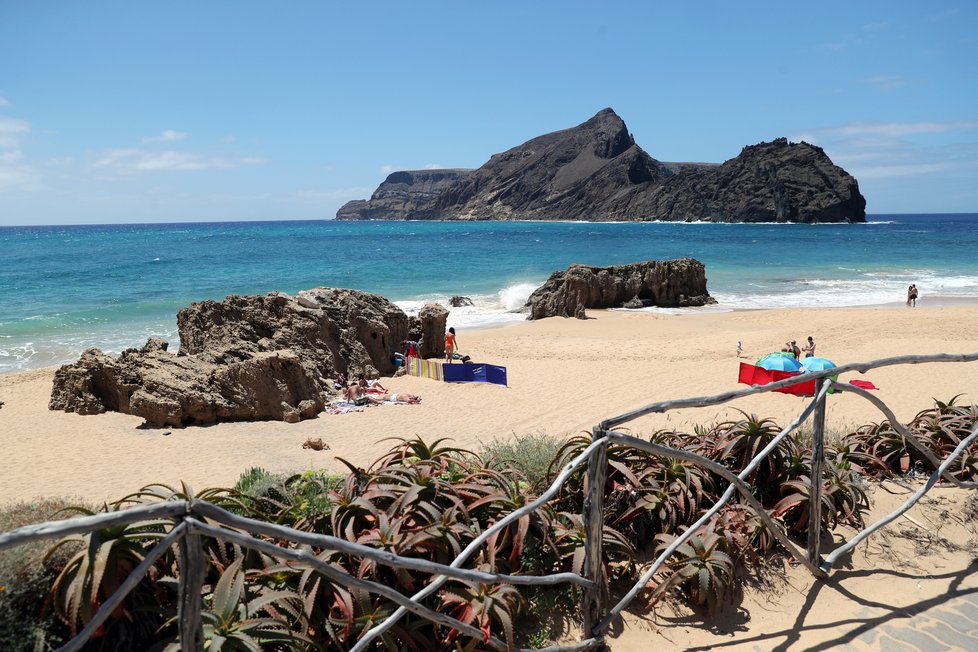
(65, 289)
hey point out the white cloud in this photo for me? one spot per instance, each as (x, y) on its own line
(387, 169)
(11, 131)
(338, 194)
(885, 82)
(166, 136)
(434, 166)
(888, 171)
(126, 161)
(15, 173)
(878, 150)
(889, 130)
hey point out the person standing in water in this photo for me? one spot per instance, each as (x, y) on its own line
(450, 344)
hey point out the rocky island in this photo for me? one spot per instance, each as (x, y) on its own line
(595, 171)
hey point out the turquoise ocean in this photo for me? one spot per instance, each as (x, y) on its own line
(67, 288)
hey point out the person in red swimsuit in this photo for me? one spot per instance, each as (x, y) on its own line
(449, 344)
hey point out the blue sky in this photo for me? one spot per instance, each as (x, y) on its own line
(206, 111)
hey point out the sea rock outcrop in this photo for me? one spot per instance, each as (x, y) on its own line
(666, 283)
(244, 358)
(433, 318)
(331, 330)
(595, 171)
(172, 390)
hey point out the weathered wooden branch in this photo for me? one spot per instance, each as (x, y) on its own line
(595, 597)
(344, 579)
(134, 577)
(742, 487)
(69, 526)
(436, 582)
(706, 401)
(818, 463)
(325, 541)
(931, 481)
(193, 569)
(903, 430)
(691, 530)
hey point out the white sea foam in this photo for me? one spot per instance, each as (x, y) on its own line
(488, 310)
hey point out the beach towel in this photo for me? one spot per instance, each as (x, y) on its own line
(425, 368)
(342, 407)
(863, 384)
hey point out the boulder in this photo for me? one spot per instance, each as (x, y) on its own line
(460, 302)
(432, 318)
(332, 330)
(170, 390)
(244, 358)
(666, 283)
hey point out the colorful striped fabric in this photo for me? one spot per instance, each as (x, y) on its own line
(425, 368)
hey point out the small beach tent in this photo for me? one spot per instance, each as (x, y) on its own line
(467, 372)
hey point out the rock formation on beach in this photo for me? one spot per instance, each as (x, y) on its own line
(245, 358)
(665, 283)
(595, 171)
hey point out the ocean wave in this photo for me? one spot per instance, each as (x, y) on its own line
(487, 310)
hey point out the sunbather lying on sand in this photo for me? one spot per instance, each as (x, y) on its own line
(399, 397)
(355, 391)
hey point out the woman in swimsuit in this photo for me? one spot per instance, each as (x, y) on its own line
(449, 344)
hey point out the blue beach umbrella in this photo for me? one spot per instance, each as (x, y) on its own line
(778, 362)
(816, 364)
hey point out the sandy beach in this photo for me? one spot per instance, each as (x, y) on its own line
(565, 375)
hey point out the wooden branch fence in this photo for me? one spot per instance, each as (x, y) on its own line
(195, 519)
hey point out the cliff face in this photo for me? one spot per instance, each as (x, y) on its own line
(402, 194)
(770, 182)
(596, 171)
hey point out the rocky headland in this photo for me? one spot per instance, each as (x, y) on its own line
(595, 171)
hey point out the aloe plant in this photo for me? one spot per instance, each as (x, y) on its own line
(243, 616)
(700, 567)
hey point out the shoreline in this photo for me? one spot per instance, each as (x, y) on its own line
(928, 303)
(565, 375)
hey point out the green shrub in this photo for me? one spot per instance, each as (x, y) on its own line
(259, 483)
(25, 579)
(531, 455)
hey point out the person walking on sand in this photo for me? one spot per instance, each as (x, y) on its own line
(809, 348)
(912, 295)
(740, 349)
(450, 344)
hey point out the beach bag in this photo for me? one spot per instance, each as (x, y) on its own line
(363, 400)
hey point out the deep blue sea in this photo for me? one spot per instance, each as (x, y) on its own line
(67, 288)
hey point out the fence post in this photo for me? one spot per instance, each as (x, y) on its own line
(595, 597)
(818, 463)
(192, 569)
